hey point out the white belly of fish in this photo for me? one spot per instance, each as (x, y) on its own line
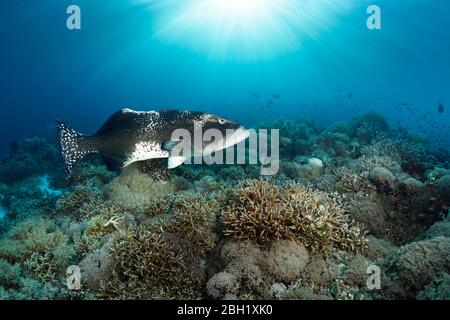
(144, 151)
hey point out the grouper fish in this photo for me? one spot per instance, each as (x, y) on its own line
(132, 136)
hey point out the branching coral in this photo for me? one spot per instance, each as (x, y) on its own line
(79, 201)
(40, 246)
(368, 163)
(350, 181)
(263, 212)
(194, 220)
(103, 218)
(144, 262)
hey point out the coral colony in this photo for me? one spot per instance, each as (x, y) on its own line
(349, 198)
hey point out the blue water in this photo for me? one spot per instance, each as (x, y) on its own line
(2, 213)
(325, 65)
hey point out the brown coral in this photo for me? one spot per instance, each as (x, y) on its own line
(286, 260)
(194, 220)
(135, 189)
(40, 245)
(263, 212)
(145, 260)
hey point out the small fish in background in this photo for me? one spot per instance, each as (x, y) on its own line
(255, 95)
(275, 96)
(350, 95)
(132, 136)
(441, 108)
(269, 103)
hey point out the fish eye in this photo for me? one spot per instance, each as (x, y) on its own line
(222, 121)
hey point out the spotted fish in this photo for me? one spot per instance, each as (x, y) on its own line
(132, 136)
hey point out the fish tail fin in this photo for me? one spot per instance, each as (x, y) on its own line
(73, 145)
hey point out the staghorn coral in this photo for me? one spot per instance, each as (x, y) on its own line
(286, 240)
(145, 262)
(101, 220)
(194, 219)
(32, 289)
(350, 181)
(79, 201)
(369, 163)
(263, 212)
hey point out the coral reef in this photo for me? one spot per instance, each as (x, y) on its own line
(135, 188)
(263, 212)
(438, 289)
(33, 156)
(147, 266)
(347, 197)
(414, 265)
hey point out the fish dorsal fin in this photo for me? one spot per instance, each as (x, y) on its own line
(168, 145)
(116, 120)
(175, 162)
(125, 118)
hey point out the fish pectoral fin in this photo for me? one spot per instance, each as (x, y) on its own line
(168, 145)
(175, 162)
